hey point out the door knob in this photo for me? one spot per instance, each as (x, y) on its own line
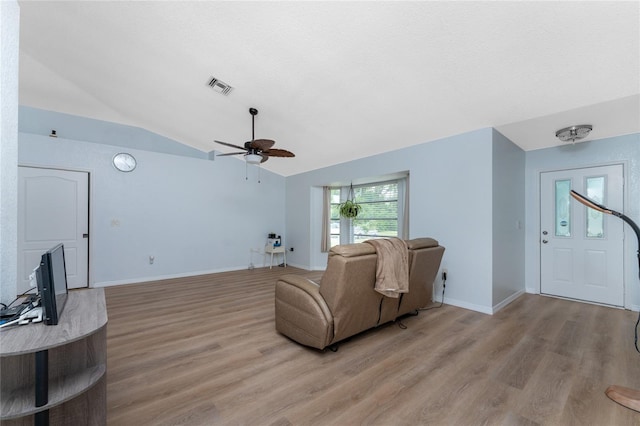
(544, 232)
(544, 241)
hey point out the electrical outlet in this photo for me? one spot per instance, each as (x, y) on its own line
(291, 249)
(445, 274)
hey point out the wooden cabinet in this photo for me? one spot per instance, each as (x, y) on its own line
(76, 355)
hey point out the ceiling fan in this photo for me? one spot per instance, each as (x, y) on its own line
(256, 151)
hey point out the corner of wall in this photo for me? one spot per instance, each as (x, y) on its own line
(9, 54)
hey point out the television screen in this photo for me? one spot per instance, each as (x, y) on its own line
(51, 277)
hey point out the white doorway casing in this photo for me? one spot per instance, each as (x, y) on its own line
(53, 208)
(581, 250)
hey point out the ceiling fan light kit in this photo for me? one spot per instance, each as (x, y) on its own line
(253, 158)
(574, 133)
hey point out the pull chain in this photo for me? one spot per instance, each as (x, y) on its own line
(246, 171)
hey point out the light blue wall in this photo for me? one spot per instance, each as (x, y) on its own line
(450, 200)
(618, 150)
(42, 122)
(508, 219)
(194, 215)
(9, 53)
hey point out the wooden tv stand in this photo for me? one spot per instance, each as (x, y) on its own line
(74, 357)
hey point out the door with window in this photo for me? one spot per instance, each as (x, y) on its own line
(53, 208)
(581, 249)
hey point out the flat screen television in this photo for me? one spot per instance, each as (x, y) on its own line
(51, 277)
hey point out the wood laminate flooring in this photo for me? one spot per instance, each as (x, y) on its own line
(204, 351)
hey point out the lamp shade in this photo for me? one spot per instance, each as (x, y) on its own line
(253, 158)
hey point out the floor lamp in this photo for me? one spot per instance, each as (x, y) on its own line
(627, 397)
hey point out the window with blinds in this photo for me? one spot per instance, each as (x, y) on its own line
(381, 206)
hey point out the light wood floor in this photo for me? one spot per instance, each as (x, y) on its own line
(204, 351)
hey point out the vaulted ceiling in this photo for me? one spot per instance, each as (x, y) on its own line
(336, 81)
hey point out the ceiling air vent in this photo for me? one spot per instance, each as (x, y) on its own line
(220, 86)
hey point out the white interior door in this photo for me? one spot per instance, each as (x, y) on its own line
(581, 250)
(53, 207)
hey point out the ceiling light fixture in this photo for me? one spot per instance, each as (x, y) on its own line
(574, 133)
(252, 158)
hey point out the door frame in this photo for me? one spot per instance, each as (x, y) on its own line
(626, 244)
(89, 173)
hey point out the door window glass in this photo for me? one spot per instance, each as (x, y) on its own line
(563, 208)
(595, 219)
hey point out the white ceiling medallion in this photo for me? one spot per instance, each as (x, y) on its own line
(574, 133)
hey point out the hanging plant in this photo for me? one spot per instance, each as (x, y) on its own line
(350, 208)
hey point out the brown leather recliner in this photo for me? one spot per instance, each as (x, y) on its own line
(345, 302)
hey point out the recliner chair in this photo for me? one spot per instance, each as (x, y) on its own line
(345, 302)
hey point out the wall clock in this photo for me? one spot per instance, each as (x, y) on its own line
(124, 162)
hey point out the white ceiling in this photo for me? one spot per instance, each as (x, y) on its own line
(336, 81)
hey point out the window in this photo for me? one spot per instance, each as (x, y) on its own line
(382, 214)
(595, 220)
(563, 208)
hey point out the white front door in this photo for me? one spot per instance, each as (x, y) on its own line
(581, 250)
(53, 208)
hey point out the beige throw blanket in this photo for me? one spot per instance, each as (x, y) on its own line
(392, 268)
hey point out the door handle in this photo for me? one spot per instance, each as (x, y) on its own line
(544, 241)
(85, 235)
(544, 232)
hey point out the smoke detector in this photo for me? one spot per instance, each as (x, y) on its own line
(574, 133)
(219, 86)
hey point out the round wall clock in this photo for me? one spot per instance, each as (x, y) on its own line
(124, 162)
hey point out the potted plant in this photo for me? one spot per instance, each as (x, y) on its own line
(350, 209)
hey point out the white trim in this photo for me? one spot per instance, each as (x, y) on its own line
(182, 275)
(506, 301)
(480, 308)
(465, 305)
(307, 267)
(166, 277)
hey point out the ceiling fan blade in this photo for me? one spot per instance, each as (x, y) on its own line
(230, 153)
(262, 144)
(279, 153)
(229, 144)
(264, 158)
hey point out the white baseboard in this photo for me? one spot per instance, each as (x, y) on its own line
(185, 274)
(307, 267)
(506, 301)
(480, 308)
(163, 277)
(465, 305)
